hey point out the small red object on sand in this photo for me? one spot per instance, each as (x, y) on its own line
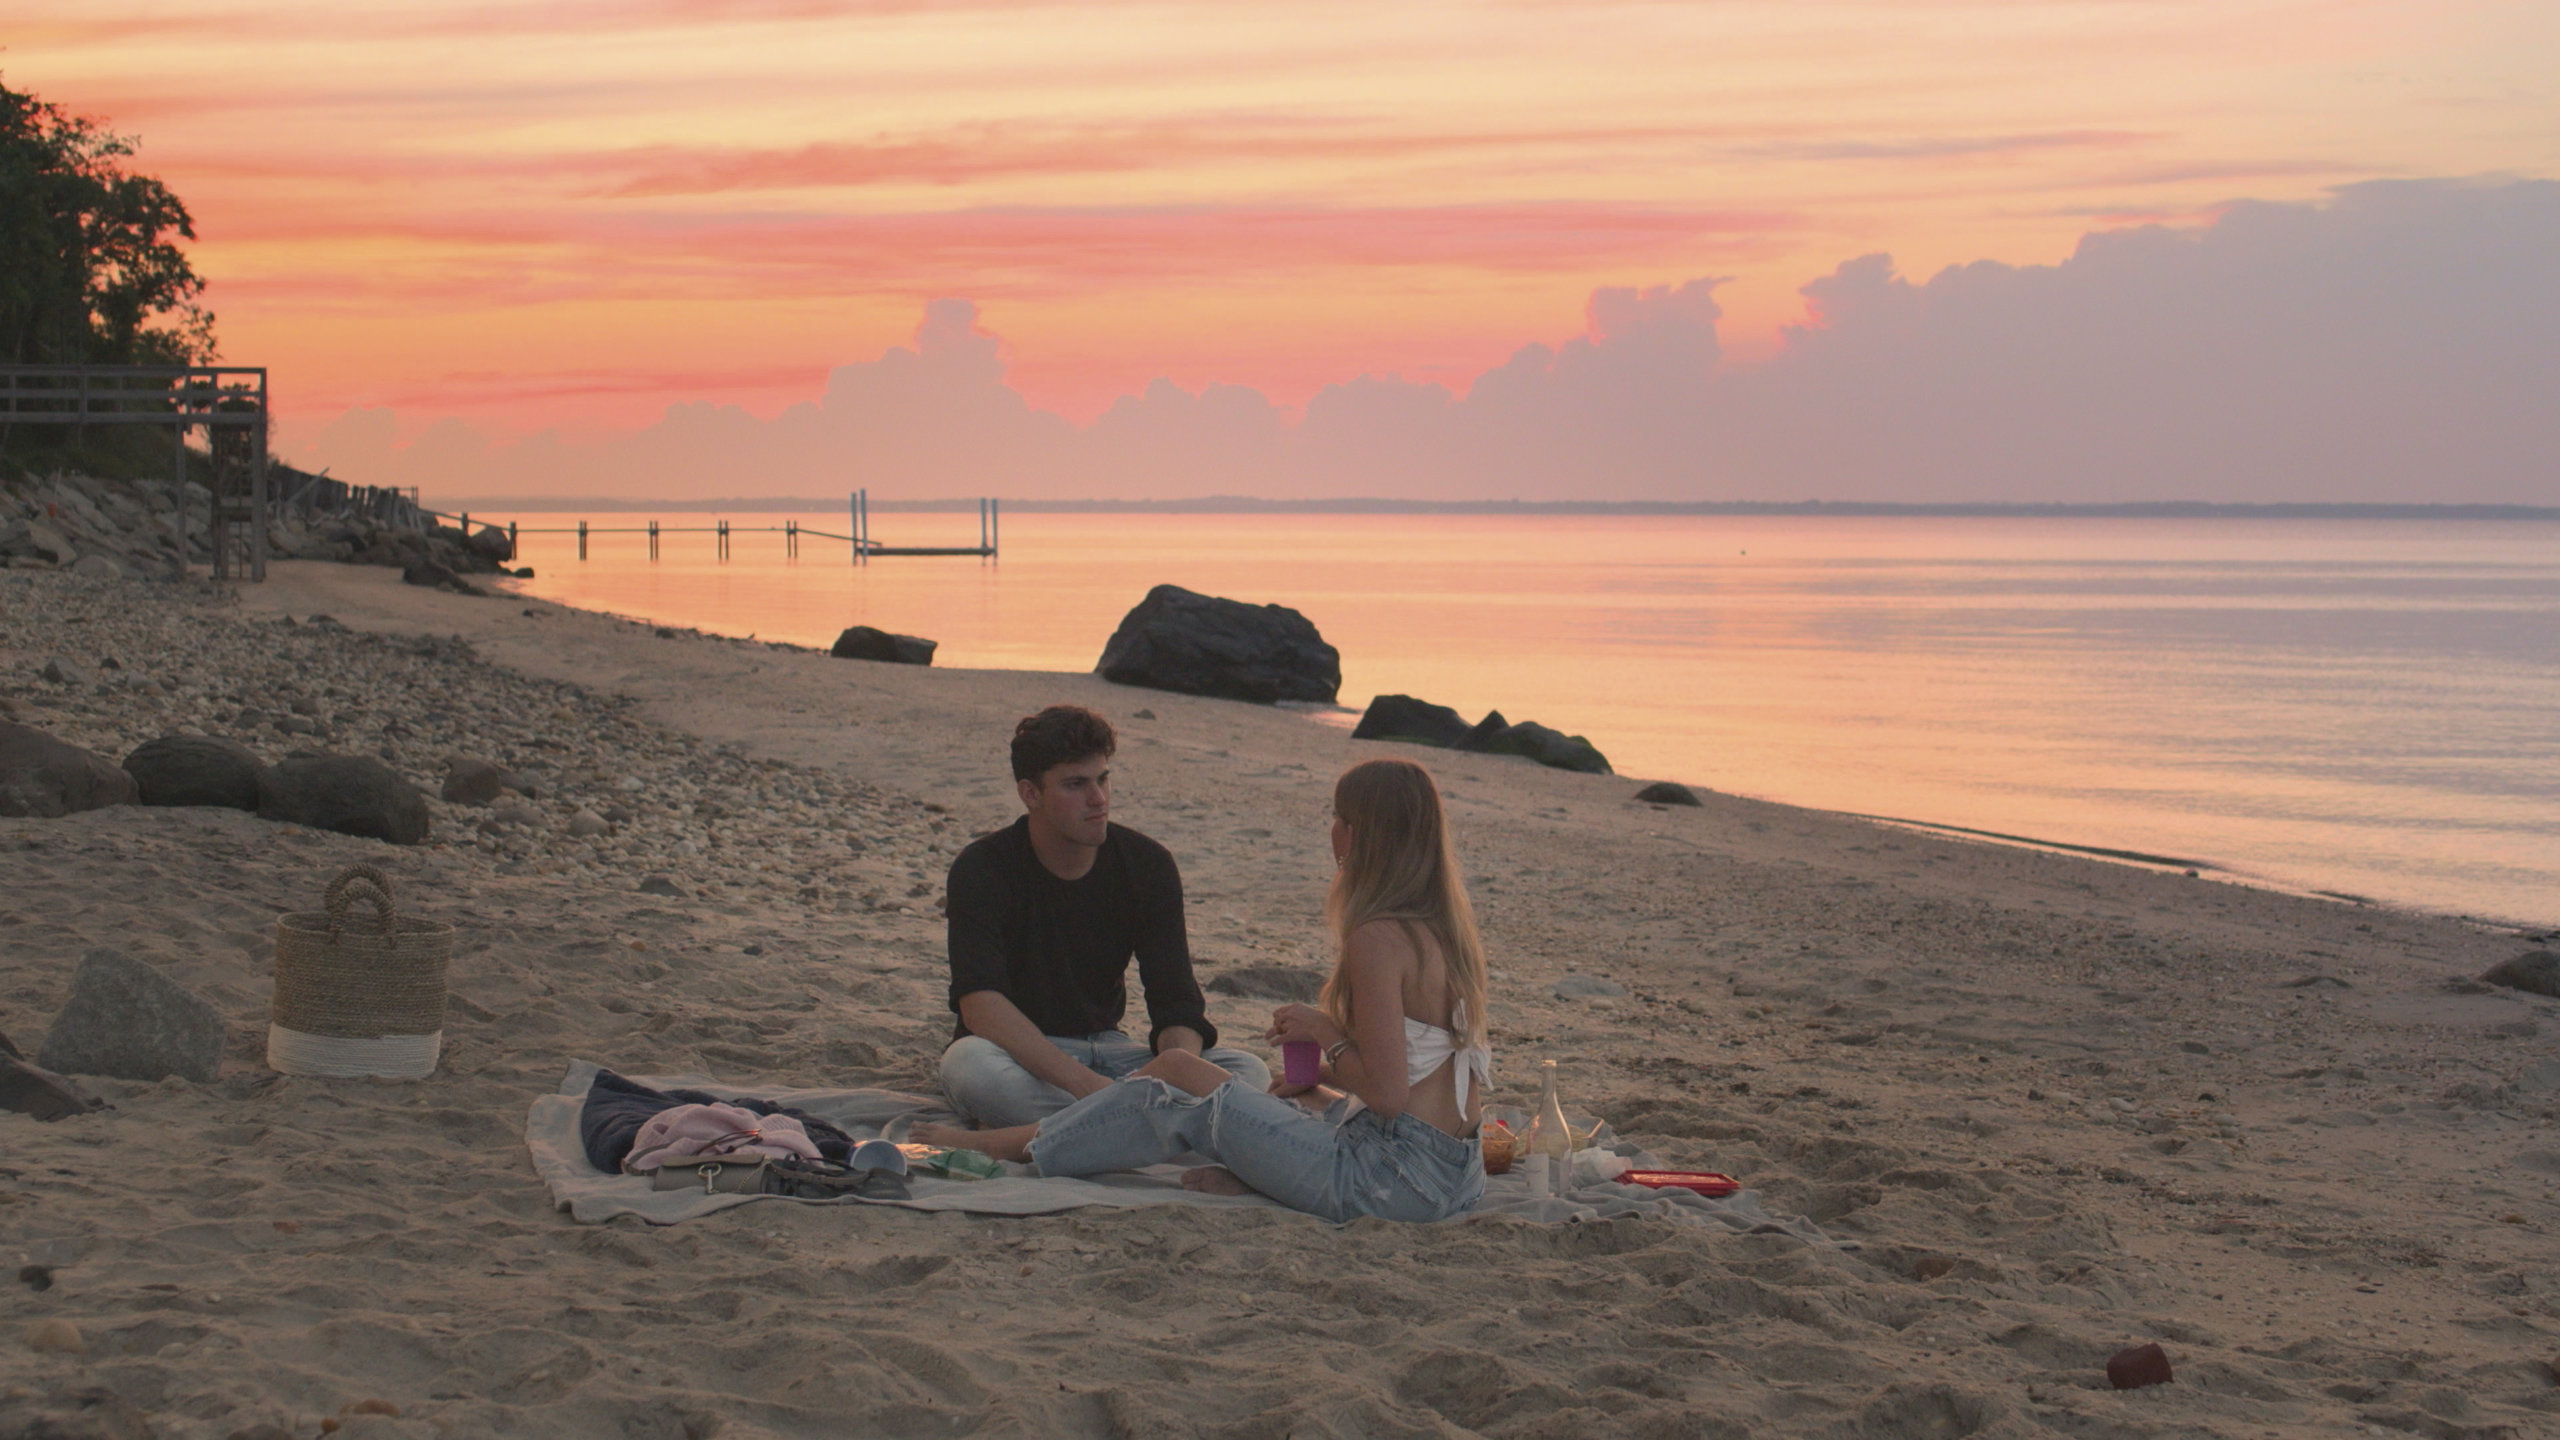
(2142, 1365)
(1705, 1182)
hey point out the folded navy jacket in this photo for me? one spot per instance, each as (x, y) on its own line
(616, 1108)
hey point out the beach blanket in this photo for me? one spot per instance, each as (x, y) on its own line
(593, 1196)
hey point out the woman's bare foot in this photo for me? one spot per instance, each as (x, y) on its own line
(1008, 1144)
(1214, 1180)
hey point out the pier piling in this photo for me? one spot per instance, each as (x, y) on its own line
(858, 536)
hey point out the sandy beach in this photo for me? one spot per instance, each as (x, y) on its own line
(2061, 1106)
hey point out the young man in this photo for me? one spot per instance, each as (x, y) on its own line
(1045, 916)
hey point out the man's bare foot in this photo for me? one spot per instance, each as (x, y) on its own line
(1214, 1180)
(1008, 1144)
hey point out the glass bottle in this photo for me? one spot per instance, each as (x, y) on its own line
(1550, 1142)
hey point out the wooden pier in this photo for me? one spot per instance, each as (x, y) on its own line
(864, 549)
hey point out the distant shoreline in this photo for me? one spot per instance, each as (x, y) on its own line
(1251, 505)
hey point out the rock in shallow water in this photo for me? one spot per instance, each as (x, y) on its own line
(44, 778)
(862, 642)
(195, 770)
(1403, 717)
(1553, 748)
(128, 1020)
(1194, 644)
(350, 794)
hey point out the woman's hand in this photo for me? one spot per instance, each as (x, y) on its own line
(1302, 1022)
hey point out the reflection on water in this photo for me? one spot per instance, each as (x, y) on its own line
(2368, 707)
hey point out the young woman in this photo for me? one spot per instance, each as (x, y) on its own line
(1401, 1023)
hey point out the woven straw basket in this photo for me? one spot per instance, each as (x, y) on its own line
(359, 994)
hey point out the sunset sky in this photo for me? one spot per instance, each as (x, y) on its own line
(568, 217)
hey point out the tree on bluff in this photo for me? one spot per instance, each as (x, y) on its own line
(90, 269)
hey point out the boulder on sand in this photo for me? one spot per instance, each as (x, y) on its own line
(195, 770)
(1530, 740)
(1667, 792)
(470, 781)
(1418, 722)
(1481, 734)
(2140, 1366)
(1194, 644)
(438, 577)
(128, 1020)
(2536, 972)
(862, 642)
(44, 778)
(350, 794)
(1553, 748)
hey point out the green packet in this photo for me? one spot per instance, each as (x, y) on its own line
(953, 1164)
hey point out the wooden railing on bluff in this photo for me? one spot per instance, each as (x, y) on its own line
(228, 401)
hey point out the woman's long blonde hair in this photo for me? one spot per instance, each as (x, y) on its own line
(1403, 868)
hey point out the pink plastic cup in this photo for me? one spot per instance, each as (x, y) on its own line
(1301, 1061)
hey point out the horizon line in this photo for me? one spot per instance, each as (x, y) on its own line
(1256, 505)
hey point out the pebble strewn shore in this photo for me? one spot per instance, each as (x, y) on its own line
(708, 820)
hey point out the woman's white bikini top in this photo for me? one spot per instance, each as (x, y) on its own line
(1428, 1047)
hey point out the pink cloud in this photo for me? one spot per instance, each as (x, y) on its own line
(2399, 342)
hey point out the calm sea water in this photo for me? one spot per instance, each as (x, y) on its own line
(2364, 707)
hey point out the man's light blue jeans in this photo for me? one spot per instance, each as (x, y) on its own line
(1339, 1165)
(989, 1086)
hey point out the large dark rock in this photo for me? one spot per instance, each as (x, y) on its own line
(45, 778)
(1480, 734)
(1195, 644)
(438, 577)
(351, 794)
(862, 642)
(2536, 972)
(1532, 741)
(128, 1020)
(1402, 717)
(195, 770)
(1667, 792)
(491, 544)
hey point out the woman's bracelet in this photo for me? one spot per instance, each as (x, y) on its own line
(1333, 1053)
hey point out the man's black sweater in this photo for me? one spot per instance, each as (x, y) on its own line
(1059, 949)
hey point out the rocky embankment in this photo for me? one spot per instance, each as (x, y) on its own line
(157, 528)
